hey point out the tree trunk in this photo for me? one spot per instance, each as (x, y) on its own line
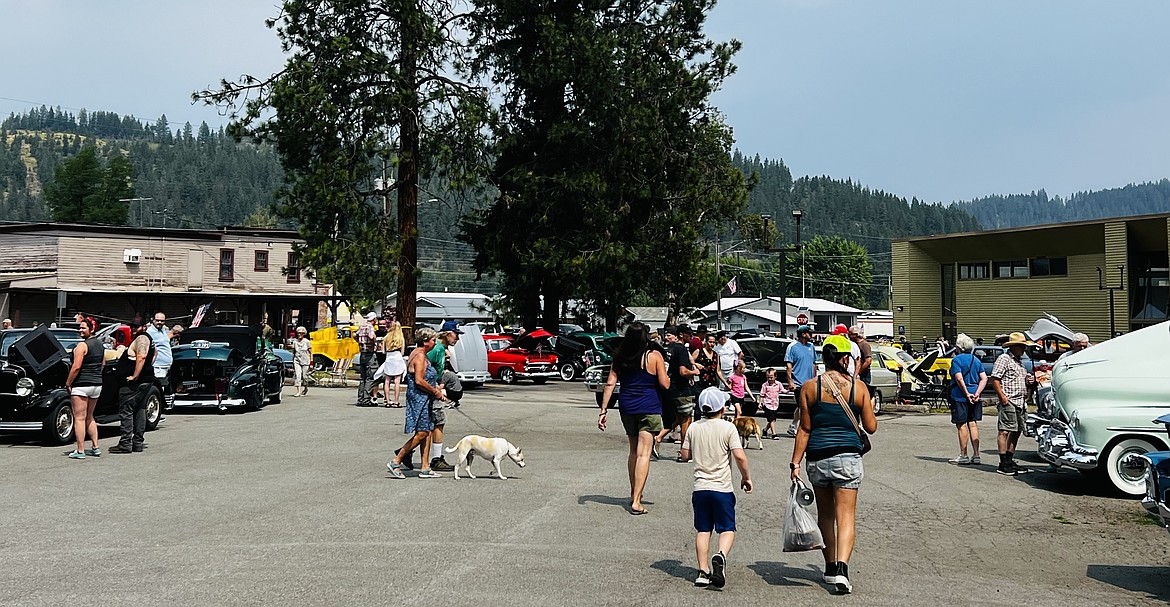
(552, 310)
(408, 184)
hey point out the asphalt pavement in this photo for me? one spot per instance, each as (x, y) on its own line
(291, 505)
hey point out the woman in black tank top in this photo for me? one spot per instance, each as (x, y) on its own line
(85, 387)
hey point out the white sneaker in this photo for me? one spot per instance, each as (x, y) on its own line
(961, 460)
(792, 431)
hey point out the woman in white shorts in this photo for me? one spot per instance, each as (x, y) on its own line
(85, 387)
(394, 367)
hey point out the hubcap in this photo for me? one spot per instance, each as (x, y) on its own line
(65, 423)
(152, 409)
(1130, 468)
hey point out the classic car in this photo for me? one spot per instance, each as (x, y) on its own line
(1095, 418)
(34, 364)
(225, 366)
(884, 382)
(579, 350)
(332, 344)
(529, 356)
(1157, 499)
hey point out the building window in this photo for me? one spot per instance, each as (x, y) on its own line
(227, 265)
(973, 271)
(1016, 268)
(261, 261)
(1050, 266)
(294, 267)
(823, 323)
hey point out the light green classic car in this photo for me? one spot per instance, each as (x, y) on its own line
(1098, 415)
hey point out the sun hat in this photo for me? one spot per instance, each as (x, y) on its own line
(711, 400)
(1018, 339)
(452, 326)
(302, 330)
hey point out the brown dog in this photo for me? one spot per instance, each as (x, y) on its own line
(748, 426)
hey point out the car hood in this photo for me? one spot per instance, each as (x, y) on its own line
(1116, 371)
(918, 369)
(532, 340)
(1049, 326)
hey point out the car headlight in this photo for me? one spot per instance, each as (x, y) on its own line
(25, 386)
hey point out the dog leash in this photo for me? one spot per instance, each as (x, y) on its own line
(472, 420)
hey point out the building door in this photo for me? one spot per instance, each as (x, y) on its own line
(194, 270)
(949, 315)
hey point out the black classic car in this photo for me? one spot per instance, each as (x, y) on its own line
(1157, 477)
(34, 364)
(225, 366)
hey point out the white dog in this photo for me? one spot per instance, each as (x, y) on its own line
(492, 449)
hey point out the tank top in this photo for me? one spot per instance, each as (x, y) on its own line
(126, 365)
(832, 430)
(90, 373)
(639, 395)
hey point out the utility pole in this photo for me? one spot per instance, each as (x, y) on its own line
(784, 251)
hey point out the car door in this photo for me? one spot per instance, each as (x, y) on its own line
(881, 377)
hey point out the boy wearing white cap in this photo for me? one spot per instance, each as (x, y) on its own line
(712, 443)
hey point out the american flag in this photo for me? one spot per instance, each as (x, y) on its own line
(203, 310)
(731, 285)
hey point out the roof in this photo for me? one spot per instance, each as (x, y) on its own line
(815, 304)
(644, 313)
(80, 229)
(1045, 226)
(450, 306)
(728, 303)
(769, 315)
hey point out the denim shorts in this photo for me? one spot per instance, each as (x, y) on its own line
(843, 471)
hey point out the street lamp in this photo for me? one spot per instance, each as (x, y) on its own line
(797, 215)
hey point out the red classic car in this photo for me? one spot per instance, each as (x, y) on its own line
(527, 356)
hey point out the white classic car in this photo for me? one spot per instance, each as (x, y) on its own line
(1097, 416)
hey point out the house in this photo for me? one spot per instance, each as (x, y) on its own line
(822, 314)
(50, 271)
(654, 317)
(1102, 277)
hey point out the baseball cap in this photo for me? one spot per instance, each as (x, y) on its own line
(840, 342)
(711, 400)
(803, 329)
(672, 330)
(371, 316)
(840, 330)
(451, 325)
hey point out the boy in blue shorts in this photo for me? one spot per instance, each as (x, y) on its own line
(711, 443)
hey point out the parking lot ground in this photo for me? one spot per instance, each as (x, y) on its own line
(291, 505)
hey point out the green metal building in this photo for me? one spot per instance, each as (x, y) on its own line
(998, 281)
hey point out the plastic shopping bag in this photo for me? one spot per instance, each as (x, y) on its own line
(800, 524)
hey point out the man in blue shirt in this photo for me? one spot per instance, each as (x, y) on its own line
(801, 359)
(161, 336)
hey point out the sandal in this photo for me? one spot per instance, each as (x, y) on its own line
(395, 470)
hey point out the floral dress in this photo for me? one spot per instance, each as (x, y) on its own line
(418, 403)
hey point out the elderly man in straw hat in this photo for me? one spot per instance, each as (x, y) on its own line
(1012, 383)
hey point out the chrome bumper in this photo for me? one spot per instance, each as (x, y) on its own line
(481, 377)
(531, 374)
(21, 425)
(209, 403)
(1056, 444)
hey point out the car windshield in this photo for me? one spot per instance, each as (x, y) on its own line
(905, 357)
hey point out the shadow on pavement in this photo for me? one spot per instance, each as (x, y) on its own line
(1154, 581)
(1065, 481)
(609, 500)
(34, 439)
(780, 574)
(674, 567)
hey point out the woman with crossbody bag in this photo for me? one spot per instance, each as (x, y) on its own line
(836, 414)
(965, 398)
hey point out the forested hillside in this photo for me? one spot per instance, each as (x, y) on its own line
(1038, 208)
(195, 176)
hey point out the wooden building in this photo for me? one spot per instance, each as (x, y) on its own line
(50, 271)
(1101, 278)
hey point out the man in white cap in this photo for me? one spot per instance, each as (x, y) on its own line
(367, 361)
(7, 324)
(712, 443)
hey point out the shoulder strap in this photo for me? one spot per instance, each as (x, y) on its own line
(841, 401)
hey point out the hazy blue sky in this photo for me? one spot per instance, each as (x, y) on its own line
(944, 100)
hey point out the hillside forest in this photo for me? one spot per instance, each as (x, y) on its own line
(187, 176)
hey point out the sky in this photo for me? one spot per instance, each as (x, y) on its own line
(942, 100)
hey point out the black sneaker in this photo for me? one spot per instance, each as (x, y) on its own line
(406, 463)
(1020, 469)
(703, 579)
(120, 449)
(1006, 469)
(440, 465)
(841, 580)
(831, 572)
(718, 562)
